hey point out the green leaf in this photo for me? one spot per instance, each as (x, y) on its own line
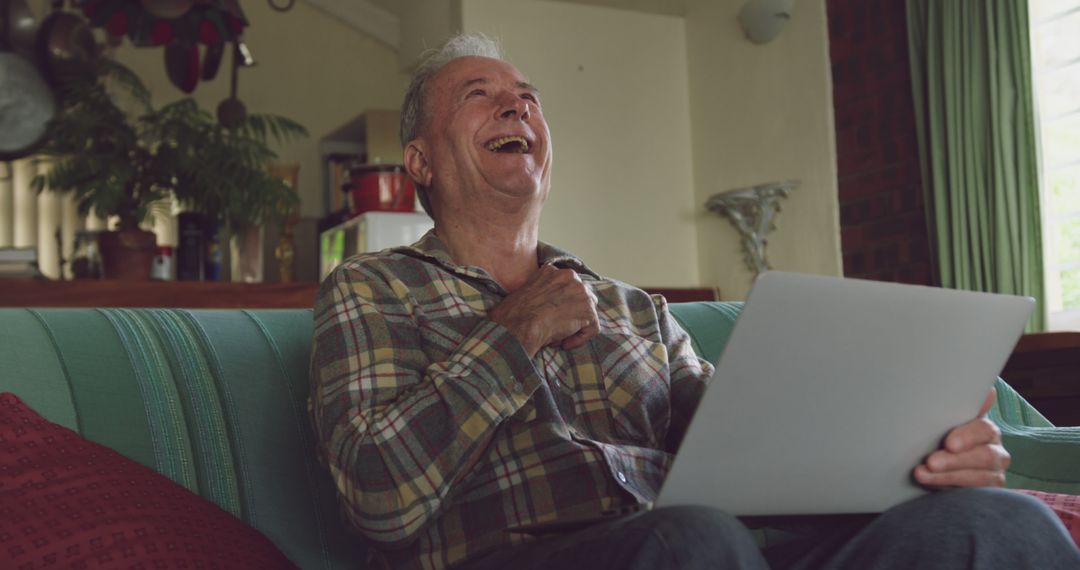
(125, 163)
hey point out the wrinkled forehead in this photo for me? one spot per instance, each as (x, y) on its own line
(464, 72)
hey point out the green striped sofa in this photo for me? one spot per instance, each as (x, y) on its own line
(215, 400)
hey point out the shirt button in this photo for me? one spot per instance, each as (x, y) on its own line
(621, 476)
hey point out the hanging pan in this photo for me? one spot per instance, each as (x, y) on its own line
(26, 99)
(21, 29)
(64, 38)
(212, 60)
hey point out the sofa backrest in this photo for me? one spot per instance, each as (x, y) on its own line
(216, 401)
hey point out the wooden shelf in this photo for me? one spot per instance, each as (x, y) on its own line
(170, 294)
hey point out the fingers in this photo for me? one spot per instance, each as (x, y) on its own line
(972, 456)
(961, 478)
(985, 409)
(555, 285)
(580, 338)
(977, 432)
(590, 325)
(985, 457)
(580, 316)
(554, 308)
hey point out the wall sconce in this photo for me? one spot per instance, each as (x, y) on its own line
(752, 211)
(762, 20)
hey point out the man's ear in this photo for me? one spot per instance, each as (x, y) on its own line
(416, 163)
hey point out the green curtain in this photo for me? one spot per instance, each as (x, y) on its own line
(974, 110)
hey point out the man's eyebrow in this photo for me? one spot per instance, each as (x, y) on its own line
(484, 81)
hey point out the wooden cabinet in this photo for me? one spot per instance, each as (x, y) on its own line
(1045, 369)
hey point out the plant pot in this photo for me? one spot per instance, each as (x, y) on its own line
(380, 188)
(128, 255)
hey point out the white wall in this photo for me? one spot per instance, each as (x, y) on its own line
(311, 68)
(650, 115)
(763, 113)
(425, 24)
(614, 89)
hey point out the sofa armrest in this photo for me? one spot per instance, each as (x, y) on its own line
(1044, 457)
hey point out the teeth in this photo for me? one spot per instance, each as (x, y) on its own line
(523, 145)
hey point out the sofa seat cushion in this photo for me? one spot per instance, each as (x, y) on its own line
(72, 503)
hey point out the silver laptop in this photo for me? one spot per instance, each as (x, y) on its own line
(830, 391)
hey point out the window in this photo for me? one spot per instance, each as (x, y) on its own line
(1055, 38)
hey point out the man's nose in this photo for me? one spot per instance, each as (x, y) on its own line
(511, 106)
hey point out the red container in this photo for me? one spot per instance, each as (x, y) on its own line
(379, 188)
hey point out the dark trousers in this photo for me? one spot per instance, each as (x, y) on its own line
(960, 529)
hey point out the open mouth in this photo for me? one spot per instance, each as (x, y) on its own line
(510, 144)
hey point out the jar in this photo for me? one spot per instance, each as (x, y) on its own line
(86, 259)
(162, 269)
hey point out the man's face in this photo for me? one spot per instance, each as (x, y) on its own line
(485, 133)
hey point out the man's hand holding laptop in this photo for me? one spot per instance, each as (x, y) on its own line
(972, 455)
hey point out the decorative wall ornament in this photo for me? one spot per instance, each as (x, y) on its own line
(752, 211)
(181, 26)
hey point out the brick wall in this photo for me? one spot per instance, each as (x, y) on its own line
(882, 218)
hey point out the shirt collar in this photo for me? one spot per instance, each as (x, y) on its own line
(432, 248)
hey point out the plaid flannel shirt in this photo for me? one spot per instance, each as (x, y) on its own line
(440, 432)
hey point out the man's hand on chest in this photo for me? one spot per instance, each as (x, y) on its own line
(553, 308)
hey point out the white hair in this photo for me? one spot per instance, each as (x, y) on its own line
(414, 109)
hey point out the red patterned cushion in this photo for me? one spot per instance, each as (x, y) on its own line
(70, 503)
(1066, 506)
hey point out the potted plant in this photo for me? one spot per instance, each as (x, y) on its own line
(122, 157)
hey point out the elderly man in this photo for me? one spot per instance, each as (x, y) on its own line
(479, 379)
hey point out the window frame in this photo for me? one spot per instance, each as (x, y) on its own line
(1053, 220)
